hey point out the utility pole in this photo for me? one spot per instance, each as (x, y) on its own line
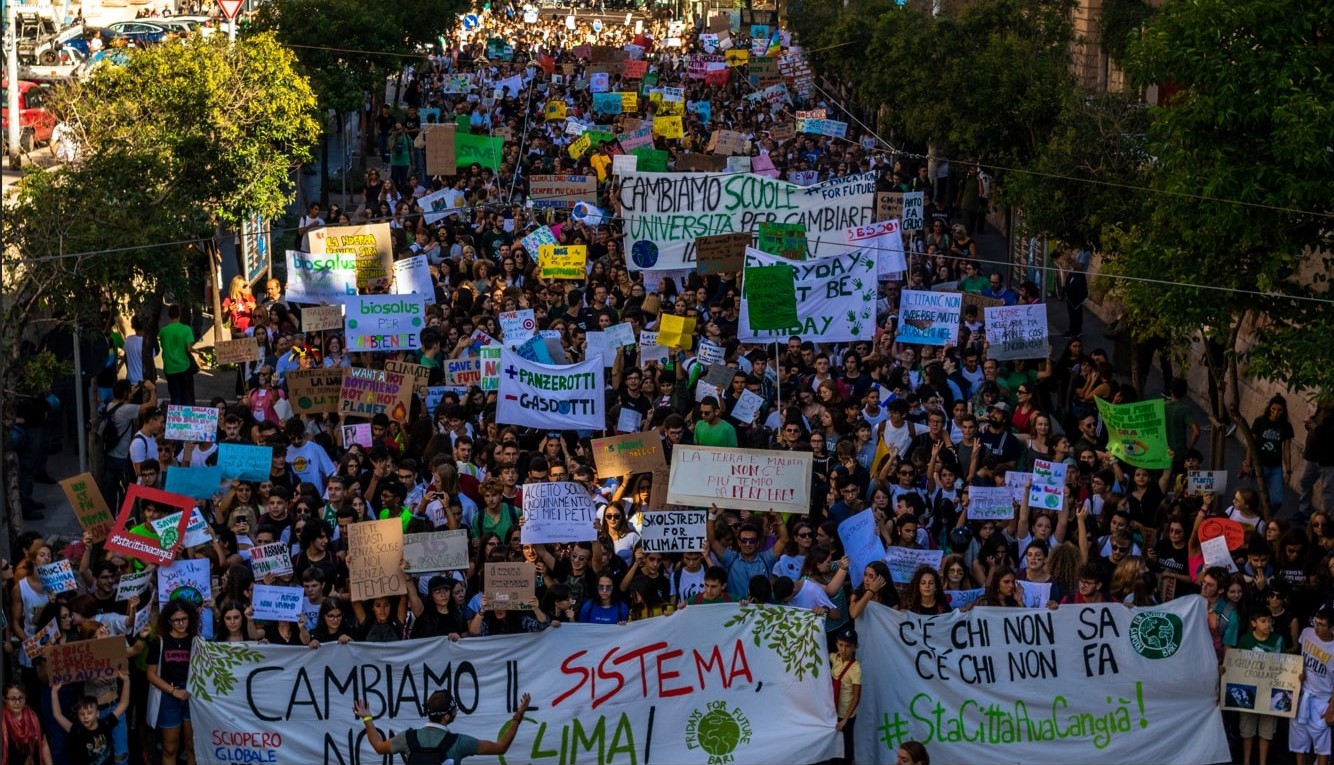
(12, 69)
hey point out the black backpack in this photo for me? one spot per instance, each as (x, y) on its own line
(419, 755)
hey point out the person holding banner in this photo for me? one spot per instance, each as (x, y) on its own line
(434, 742)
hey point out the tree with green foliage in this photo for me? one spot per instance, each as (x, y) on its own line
(186, 135)
(1235, 250)
(388, 37)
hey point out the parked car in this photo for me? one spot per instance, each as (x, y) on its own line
(204, 25)
(140, 33)
(35, 122)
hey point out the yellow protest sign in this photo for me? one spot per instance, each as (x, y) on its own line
(676, 331)
(629, 101)
(668, 127)
(669, 108)
(580, 146)
(555, 111)
(556, 262)
(737, 57)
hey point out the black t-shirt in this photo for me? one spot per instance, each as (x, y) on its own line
(91, 747)
(1269, 438)
(581, 587)
(172, 658)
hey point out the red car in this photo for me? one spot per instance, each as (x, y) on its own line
(35, 122)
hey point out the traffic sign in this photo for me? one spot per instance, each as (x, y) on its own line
(230, 8)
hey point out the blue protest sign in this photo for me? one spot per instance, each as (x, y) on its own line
(249, 463)
(195, 482)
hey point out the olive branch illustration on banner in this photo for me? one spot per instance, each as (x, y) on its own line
(217, 662)
(793, 633)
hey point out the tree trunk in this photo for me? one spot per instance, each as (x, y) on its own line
(1233, 403)
(324, 170)
(1217, 426)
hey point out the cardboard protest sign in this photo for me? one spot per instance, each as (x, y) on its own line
(1260, 682)
(375, 555)
(314, 391)
(436, 551)
(558, 512)
(631, 453)
(145, 548)
(316, 318)
(510, 585)
(85, 660)
(90, 507)
(368, 392)
(463, 372)
(727, 142)
(246, 462)
(440, 159)
(416, 375)
(1137, 432)
(771, 295)
(721, 253)
(192, 423)
(675, 531)
(57, 577)
(274, 558)
(889, 205)
(275, 603)
(237, 351)
(741, 479)
(694, 162)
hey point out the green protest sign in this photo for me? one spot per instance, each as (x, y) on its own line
(464, 124)
(1137, 433)
(784, 239)
(478, 150)
(771, 297)
(499, 50)
(651, 160)
(596, 137)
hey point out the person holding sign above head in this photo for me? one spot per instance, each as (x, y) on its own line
(748, 560)
(434, 742)
(91, 739)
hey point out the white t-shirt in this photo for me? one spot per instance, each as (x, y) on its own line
(311, 463)
(900, 437)
(810, 596)
(1316, 663)
(690, 584)
(789, 566)
(134, 359)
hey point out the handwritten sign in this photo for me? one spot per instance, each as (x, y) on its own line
(57, 577)
(903, 562)
(375, 552)
(1048, 491)
(558, 512)
(368, 392)
(510, 585)
(192, 423)
(1261, 683)
(186, 580)
(565, 262)
(990, 503)
(676, 531)
(317, 318)
(929, 318)
(1206, 482)
(631, 453)
(90, 507)
(274, 603)
(85, 660)
(238, 351)
(436, 551)
(721, 253)
(1016, 332)
(463, 372)
(248, 463)
(740, 479)
(133, 584)
(314, 391)
(274, 558)
(385, 323)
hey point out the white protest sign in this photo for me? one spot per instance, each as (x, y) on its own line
(929, 318)
(835, 299)
(654, 205)
(551, 397)
(624, 163)
(629, 420)
(412, 276)
(861, 543)
(620, 335)
(740, 479)
(704, 389)
(711, 353)
(1035, 594)
(192, 423)
(599, 347)
(747, 406)
(1016, 331)
(273, 603)
(317, 279)
(990, 503)
(436, 551)
(132, 584)
(1216, 554)
(1017, 482)
(196, 532)
(961, 598)
(674, 531)
(274, 558)
(1048, 490)
(649, 350)
(1085, 683)
(1206, 482)
(384, 323)
(185, 580)
(885, 239)
(517, 326)
(557, 511)
(903, 562)
(57, 577)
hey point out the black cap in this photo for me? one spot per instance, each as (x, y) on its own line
(848, 636)
(438, 582)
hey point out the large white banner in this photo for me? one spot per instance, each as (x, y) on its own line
(552, 397)
(760, 480)
(664, 212)
(1089, 684)
(712, 684)
(835, 299)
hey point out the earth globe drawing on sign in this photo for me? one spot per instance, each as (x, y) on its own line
(644, 253)
(718, 732)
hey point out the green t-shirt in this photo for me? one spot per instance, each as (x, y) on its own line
(974, 284)
(175, 339)
(1249, 642)
(1178, 420)
(722, 434)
